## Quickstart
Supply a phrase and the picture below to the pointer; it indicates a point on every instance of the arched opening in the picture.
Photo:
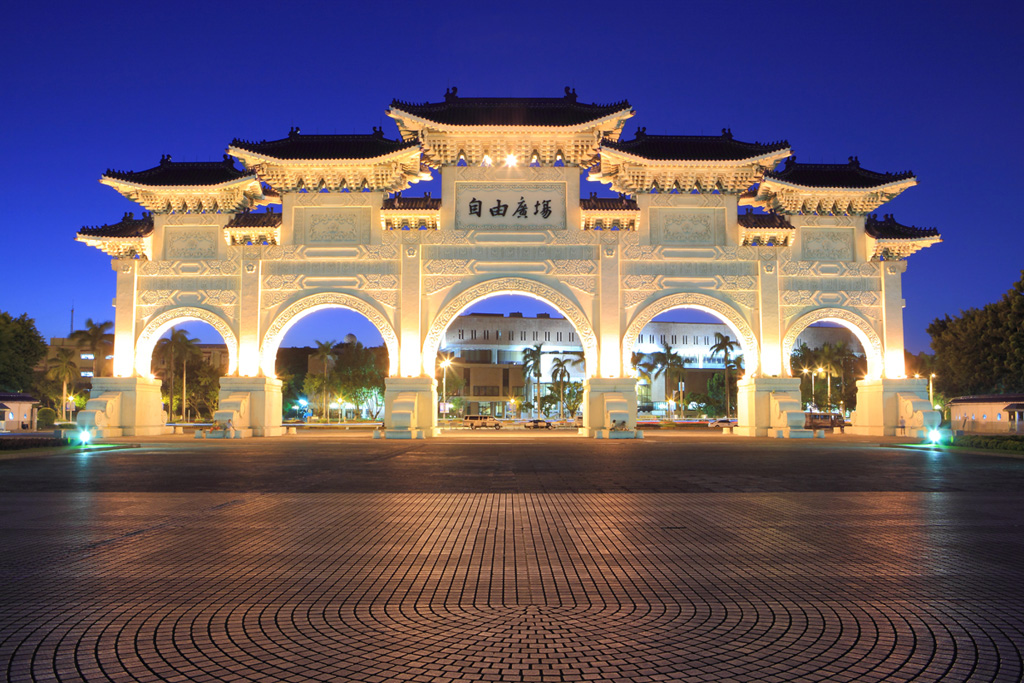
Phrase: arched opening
(332, 353)
(162, 322)
(189, 358)
(828, 343)
(687, 356)
(511, 348)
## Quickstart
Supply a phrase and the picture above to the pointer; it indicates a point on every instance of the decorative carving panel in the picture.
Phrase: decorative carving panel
(333, 226)
(191, 242)
(698, 227)
(827, 244)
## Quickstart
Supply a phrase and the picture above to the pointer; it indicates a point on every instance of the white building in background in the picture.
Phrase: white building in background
(988, 414)
(487, 354)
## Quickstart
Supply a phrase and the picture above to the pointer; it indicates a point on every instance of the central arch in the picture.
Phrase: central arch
(709, 304)
(511, 285)
(861, 328)
(163, 321)
(316, 302)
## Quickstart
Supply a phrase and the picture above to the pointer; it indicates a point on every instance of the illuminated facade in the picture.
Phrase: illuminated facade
(509, 220)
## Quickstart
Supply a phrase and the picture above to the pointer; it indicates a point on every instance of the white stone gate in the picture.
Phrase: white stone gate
(509, 220)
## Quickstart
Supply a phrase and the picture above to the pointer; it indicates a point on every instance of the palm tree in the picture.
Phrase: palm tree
(64, 369)
(325, 354)
(532, 366)
(724, 345)
(828, 360)
(560, 375)
(177, 346)
(804, 360)
(96, 339)
(669, 363)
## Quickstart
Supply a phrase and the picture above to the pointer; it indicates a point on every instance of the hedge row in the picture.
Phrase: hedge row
(15, 443)
(1008, 442)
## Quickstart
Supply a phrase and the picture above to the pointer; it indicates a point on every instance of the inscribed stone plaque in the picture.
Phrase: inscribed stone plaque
(510, 206)
(696, 227)
(334, 226)
(827, 244)
(190, 242)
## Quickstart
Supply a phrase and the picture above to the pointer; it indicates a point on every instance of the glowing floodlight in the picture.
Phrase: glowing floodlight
(510, 160)
(84, 436)
(935, 436)
(486, 161)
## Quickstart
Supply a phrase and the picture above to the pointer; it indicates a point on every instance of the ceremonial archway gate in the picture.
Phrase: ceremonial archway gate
(510, 220)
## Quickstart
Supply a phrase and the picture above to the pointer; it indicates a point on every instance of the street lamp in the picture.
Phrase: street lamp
(301, 403)
(445, 364)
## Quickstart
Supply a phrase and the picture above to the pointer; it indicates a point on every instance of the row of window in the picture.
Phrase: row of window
(662, 339)
(522, 335)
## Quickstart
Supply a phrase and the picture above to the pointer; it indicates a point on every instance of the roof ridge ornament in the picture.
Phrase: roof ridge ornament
(293, 132)
(451, 94)
(727, 134)
(165, 159)
(855, 163)
(570, 95)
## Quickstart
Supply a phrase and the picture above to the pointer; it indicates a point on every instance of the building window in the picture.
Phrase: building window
(651, 338)
(487, 391)
(558, 335)
(462, 334)
(707, 340)
(87, 373)
(673, 339)
(487, 334)
(685, 339)
(662, 339)
(547, 336)
(472, 334)
(572, 336)
(88, 356)
(535, 336)
(522, 335)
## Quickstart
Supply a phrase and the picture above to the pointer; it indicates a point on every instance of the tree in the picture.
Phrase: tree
(21, 349)
(828, 360)
(981, 351)
(573, 397)
(532, 356)
(325, 354)
(724, 346)
(95, 339)
(559, 376)
(63, 368)
(177, 347)
(670, 364)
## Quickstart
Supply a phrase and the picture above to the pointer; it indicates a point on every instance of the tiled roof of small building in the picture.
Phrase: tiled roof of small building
(620, 203)
(763, 220)
(888, 228)
(510, 111)
(985, 398)
(849, 175)
(298, 146)
(129, 226)
(255, 220)
(18, 398)
(400, 203)
(693, 147)
(182, 173)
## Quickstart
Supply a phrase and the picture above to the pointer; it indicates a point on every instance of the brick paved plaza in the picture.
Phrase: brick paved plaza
(512, 557)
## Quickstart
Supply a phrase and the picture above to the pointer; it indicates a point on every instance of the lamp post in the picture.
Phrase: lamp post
(931, 389)
(445, 364)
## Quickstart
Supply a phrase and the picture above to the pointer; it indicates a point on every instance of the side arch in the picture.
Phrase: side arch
(512, 285)
(163, 321)
(860, 327)
(309, 304)
(709, 304)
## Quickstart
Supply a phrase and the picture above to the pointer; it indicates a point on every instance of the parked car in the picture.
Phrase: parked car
(824, 421)
(723, 422)
(481, 421)
(537, 424)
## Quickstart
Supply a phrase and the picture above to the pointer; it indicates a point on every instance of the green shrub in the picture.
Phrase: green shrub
(46, 417)
(1008, 442)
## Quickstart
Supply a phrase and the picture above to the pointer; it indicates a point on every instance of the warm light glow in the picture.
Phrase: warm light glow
(510, 160)
(486, 161)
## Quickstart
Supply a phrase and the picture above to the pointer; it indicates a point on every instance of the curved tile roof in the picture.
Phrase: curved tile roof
(510, 111)
(182, 173)
(620, 203)
(693, 147)
(763, 220)
(129, 226)
(888, 228)
(848, 175)
(255, 220)
(298, 146)
(400, 203)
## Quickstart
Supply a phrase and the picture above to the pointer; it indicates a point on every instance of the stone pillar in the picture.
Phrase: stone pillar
(124, 406)
(770, 313)
(892, 319)
(249, 312)
(609, 408)
(609, 313)
(124, 318)
(410, 360)
(410, 408)
(883, 403)
(252, 403)
(760, 402)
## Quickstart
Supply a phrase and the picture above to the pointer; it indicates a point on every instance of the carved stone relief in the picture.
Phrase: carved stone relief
(827, 244)
(333, 226)
(704, 227)
(190, 242)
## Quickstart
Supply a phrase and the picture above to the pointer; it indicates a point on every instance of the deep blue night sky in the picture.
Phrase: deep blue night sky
(933, 87)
